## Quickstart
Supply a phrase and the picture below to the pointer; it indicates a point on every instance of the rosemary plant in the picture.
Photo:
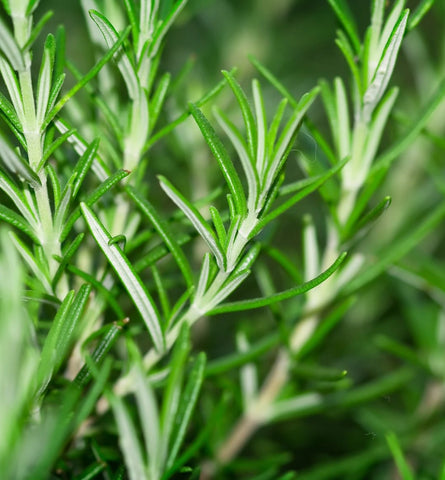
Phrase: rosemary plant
(126, 350)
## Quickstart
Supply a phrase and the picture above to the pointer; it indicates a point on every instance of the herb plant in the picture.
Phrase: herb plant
(141, 221)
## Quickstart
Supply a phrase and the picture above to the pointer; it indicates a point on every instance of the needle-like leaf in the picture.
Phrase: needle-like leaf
(223, 159)
(196, 219)
(130, 279)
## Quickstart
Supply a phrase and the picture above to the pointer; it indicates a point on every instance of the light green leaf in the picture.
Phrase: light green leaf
(343, 13)
(9, 216)
(128, 440)
(86, 78)
(375, 130)
(278, 297)
(196, 219)
(311, 187)
(83, 165)
(164, 231)
(13, 87)
(418, 14)
(397, 250)
(37, 29)
(9, 47)
(149, 417)
(15, 163)
(130, 279)
(172, 394)
(123, 61)
(241, 149)
(186, 407)
(44, 80)
(107, 340)
(279, 155)
(91, 199)
(158, 98)
(344, 127)
(32, 264)
(385, 68)
(400, 460)
(218, 224)
(223, 159)
(163, 27)
(19, 201)
(249, 120)
(8, 109)
(261, 122)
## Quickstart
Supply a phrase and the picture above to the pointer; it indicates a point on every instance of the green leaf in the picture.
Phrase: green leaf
(342, 120)
(123, 61)
(130, 8)
(223, 159)
(12, 84)
(275, 125)
(172, 395)
(400, 460)
(397, 250)
(297, 197)
(82, 166)
(29, 259)
(196, 219)
(230, 286)
(148, 413)
(128, 440)
(418, 14)
(218, 224)
(385, 159)
(49, 356)
(111, 334)
(130, 279)
(158, 98)
(55, 91)
(268, 75)
(343, 13)
(9, 216)
(92, 198)
(37, 30)
(162, 291)
(186, 406)
(44, 79)
(9, 111)
(17, 164)
(368, 219)
(54, 147)
(261, 126)
(376, 128)
(9, 47)
(62, 211)
(69, 328)
(241, 149)
(278, 297)
(164, 26)
(67, 255)
(346, 49)
(203, 278)
(385, 68)
(86, 78)
(164, 231)
(282, 147)
(19, 201)
(249, 120)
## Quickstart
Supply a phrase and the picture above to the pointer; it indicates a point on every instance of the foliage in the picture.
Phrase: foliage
(138, 225)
